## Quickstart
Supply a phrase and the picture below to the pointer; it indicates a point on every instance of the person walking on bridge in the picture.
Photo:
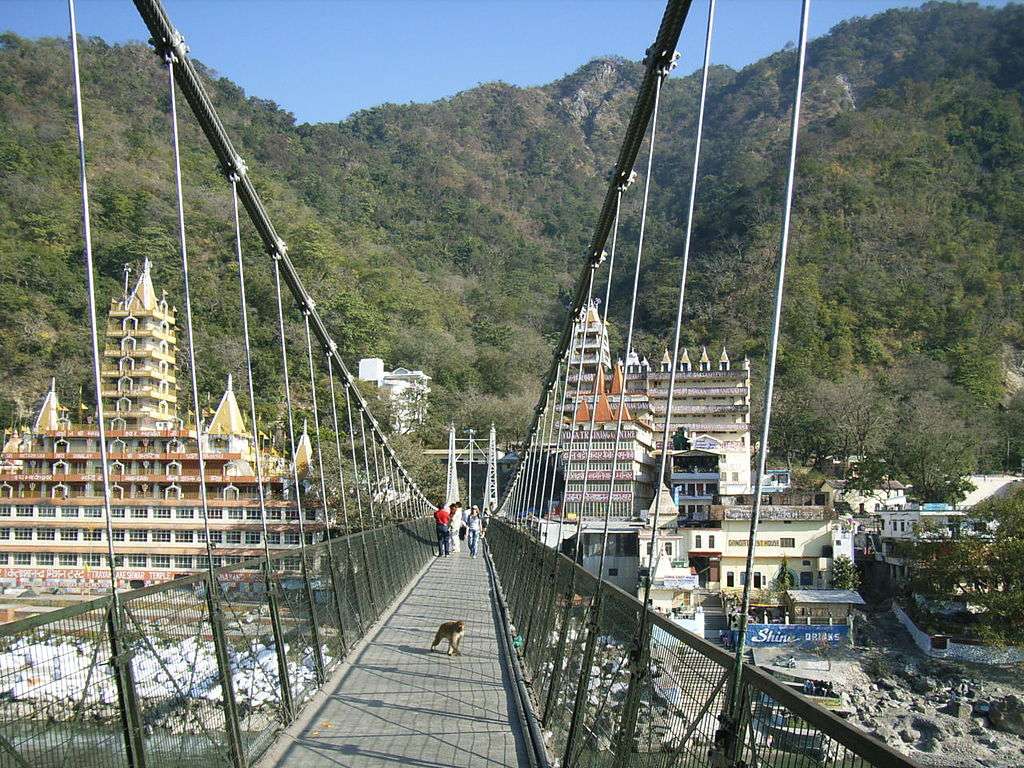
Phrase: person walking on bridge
(442, 521)
(456, 522)
(473, 526)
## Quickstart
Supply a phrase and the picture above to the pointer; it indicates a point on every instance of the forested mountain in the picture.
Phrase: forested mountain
(445, 235)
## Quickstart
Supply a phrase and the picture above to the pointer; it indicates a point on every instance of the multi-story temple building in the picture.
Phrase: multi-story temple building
(710, 421)
(52, 517)
(632, 487)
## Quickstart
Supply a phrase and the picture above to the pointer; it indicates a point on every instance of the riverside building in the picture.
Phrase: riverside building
(52, 518)
(710, 419)
(632, 487)
(798, 530)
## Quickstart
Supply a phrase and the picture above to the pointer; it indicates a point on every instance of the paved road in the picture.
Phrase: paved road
(399, 704)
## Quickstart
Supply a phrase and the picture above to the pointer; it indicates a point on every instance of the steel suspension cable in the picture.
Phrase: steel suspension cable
(594, 610)
(90, 290)
(547, 441)
(189, 336)
(666, 425)
(558, 439)
(317, 649)
(366, 471)
(780, 279)
(572, 422)
(288, 410)
(355, 463)
(316, 428)
(359, 497)
(250, 390)
(603, 338)
(531, 477)
(632, 306)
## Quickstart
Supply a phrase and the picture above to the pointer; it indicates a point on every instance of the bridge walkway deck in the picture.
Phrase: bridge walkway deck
(397, 703)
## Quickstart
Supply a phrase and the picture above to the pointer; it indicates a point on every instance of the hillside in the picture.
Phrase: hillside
(443, 235)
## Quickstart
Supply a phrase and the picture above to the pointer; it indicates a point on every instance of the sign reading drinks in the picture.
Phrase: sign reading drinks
(797, 635)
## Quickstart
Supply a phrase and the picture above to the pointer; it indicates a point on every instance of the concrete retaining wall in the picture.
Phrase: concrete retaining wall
(978, 654)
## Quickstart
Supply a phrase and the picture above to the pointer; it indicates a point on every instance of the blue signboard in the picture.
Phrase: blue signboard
(796, 635)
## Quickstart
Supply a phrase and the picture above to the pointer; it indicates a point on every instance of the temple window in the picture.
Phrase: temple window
(6, 491)
(124, 404)
(60, 467)
(127, 345)
(126, 364)
(175, 446)
(60, 446)
(129, 324)
(231, 493)
(174, 468)
(125, 384)
(172, 492)
(60, 491)
(116, 492)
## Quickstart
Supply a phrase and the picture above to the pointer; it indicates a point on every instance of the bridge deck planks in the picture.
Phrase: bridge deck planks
(396, 703)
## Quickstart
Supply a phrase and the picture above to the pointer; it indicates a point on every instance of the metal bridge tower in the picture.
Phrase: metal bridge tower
(490, 500)
(451, 492)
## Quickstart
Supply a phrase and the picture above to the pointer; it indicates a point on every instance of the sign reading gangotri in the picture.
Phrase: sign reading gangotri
(797, 635)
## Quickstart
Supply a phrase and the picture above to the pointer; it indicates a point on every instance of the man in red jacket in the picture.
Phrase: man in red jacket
(442, 520)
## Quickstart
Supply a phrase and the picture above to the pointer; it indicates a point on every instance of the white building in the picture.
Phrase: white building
(406, 389)
(921, 520)
(798, 529)
(892, 494)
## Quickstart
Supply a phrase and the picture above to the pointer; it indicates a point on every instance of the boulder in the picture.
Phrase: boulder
(1007, 714)
(960, 709)
(921, 684)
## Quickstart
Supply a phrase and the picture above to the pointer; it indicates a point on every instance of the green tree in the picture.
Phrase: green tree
(844, 573)
(983, 565)
(784, 579)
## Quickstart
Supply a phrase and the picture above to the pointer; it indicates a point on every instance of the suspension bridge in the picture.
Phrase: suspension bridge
(319, 654)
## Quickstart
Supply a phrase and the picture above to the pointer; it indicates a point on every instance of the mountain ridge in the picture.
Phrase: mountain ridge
(445, 235)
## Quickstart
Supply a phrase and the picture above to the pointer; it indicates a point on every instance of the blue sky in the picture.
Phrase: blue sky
(324, 59)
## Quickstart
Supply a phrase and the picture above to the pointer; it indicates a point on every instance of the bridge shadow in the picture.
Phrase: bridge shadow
(397, 702)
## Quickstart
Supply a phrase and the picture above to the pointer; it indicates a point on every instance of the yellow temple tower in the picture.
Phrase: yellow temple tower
(52, 516)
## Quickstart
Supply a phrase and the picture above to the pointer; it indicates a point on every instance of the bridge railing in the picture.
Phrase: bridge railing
(178, 652)
(652, 699)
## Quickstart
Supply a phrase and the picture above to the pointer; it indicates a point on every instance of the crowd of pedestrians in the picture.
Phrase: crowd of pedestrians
(454, 526)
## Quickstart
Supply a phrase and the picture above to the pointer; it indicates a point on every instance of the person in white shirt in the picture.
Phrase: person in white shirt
(473, 524)
(456, 523)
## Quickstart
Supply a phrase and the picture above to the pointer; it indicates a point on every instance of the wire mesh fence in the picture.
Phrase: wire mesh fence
(617, 686)
(200, 670)
(58, 696)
